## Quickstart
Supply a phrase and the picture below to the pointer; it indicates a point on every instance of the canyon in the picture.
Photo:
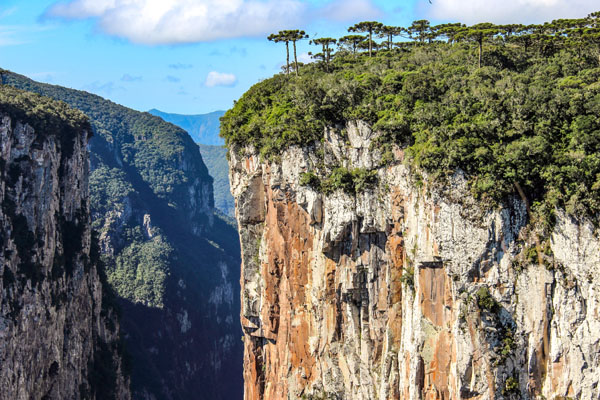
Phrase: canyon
(171, 260)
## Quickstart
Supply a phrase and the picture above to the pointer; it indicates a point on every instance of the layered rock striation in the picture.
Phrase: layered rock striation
(59, 332)
(406, 288)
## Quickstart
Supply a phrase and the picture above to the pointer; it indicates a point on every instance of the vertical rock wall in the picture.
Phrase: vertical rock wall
(406, 290)
(59, 335)
(173, 263)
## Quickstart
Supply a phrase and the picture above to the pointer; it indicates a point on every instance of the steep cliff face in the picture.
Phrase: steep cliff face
(59, 334)
(173, 263)
(406, 289)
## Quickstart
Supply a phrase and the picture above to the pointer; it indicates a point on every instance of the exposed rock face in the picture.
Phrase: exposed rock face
(406, 290)
(59, 335)
(171, 260)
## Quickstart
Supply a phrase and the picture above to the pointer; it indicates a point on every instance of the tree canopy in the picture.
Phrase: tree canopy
(325, 42)
(369, 27)
(521, 108)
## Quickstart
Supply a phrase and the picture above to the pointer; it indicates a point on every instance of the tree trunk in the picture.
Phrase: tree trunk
(325, 59)
(295, 58)
(287, 48)
(370, 42)
(480, 51)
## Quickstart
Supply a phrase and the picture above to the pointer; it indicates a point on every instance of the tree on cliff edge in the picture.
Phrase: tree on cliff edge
(388, 33)
(352, 41)
(370, 27)
(288, 36)
(325, 43)
(282, 37)
(478, 33)
(294, 36)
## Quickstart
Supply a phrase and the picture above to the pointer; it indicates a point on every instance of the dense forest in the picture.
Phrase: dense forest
(516, 108)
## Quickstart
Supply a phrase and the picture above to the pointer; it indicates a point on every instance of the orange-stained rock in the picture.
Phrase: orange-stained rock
(374, 294)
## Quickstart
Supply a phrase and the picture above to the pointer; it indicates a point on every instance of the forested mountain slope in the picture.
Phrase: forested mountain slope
(215, 158)
(172, 262)
(204, 129)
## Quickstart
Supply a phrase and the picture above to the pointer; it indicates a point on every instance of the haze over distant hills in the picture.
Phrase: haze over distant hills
(203, 128)
(215, 158)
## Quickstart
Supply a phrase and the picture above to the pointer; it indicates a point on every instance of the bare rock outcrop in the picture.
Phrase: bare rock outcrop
(407, 289)
(59, 334)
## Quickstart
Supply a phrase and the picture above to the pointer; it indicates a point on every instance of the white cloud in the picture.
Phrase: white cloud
(305, 58)
(504, 11)
(189, 21)
(183, 21)
(6, 12)
(130, 78)
(350, 10)
(215, 78)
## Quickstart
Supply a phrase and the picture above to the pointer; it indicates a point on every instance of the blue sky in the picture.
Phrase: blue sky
(197, 56)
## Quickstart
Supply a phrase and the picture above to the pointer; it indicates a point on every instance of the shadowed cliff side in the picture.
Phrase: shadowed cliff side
(173, 263)
(59, 330)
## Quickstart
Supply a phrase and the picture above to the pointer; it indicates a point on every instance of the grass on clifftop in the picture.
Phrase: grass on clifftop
(529, 117)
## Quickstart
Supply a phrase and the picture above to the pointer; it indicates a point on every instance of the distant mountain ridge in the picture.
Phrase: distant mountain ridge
(203, 128)
(215, 158)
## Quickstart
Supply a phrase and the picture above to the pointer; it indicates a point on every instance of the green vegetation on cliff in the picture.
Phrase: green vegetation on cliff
(137, 160)
(528, 117)
(149, 144)
(45, 115)
(141, 269)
